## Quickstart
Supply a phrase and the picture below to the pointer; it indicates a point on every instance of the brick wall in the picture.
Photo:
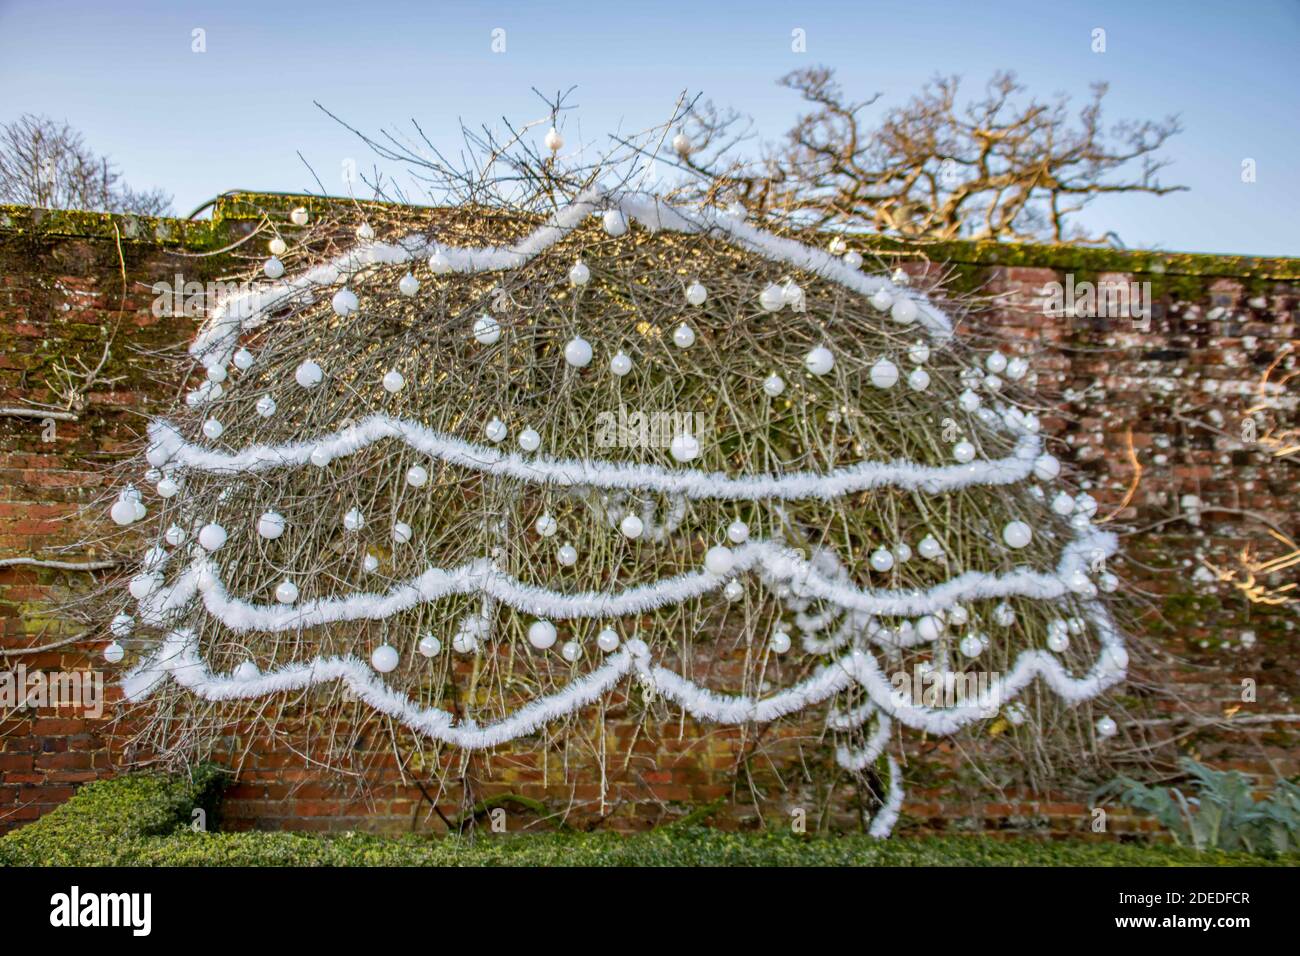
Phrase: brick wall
(1178, 390)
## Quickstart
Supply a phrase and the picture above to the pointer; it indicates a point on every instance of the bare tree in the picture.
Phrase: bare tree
(47, 164)
(1000, 166)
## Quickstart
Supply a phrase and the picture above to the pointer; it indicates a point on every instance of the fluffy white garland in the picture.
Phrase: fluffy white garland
(167, 446)
(480, 576)
(234, 314)
(887, 816)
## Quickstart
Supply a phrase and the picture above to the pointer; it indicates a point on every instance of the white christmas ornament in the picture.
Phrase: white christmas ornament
(882, 560)
(393, 381)
(167, 488)
(772, 298)
(1046, 467)
(487, 330)
(734, 591)
(273, 268)
(969, 401)
(963, 451)
(719, 560)
(247, 671)
(546, 526)
(620, 364)
(614, 223)
(429, 646)
(408, 285)
(881, 299)
(852, 259)
(266, 406)
(918, 380)
(996, 363)
(1106, 727)
(541, 634)
(345, 302)
(243, 360)
(384, 658)
(902, 552)
(464, 642)
(270, 525)
(567, 555)
(401, 532)
(919, 353)
(308, 374)
(121, 625)
(495, 430)
(216, 374)
(212, 536)
(277, 246)
(1063, 504)
(780, 642)
(683, 336)
(553, 140)
(884, 374)
(1016, 369)
(903, 311)
(682, 145)
(370, 564)
(579, 275)
(774, 385)
(928, 628)
(320, 457)
(417, 476)
(696, 294)
(631, 526)
(213, 428)
(529, 440)
(819, 361)
(114, 653)
(930, 548)
(299, 216)
(439, 264)
(738, 532)
(684, 447)
(1017, 534)
(971, 646)
(607, 640)
(1004, 615)
(286, 592)
(577, 352)
(354, 520)
(174, 535)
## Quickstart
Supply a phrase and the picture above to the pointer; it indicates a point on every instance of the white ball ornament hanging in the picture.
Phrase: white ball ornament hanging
(384, 658)
(320, 457)
(1017, 534)
(837, 246)
(546, 526)
(971, 646)
(992, 383)
(408, 285)
(529, 440)
(1108, 582)
(345, 302)
(167, 488)
(243, 360)
(487, 330)
(631, 526)
(266, 406)
(884, 374)
(1004, 615)
(696, 294)
(213, 429)
(212, 536)
(852, 259)
(247, 671)
(286, 592)
(577, 352)
(277, 246)
(902, 552)
(401, 532)
(308, 374)
(1016, 369)
(734, 591)
(719, 560)
(881, 560)
(738, 532)
(417, 476)
(579, 275)
(969, 401)
(439, 264)
(370, 564)
(684, 447)
(620, 364)
(393, 381)
(683, 336)
(541, 634)
(682, 145)
(123, 511)
(273, 268)
(175, 535)
(903, 311)
(919, 353)
(429, 646)
(1046, 467)
(930, 548)
(270, 525)
(780, 642)
(774, 385)
(122, 625)
(881, 299)
(963, 451)
(996, 363)
(929, 628)
(495, 430)
(299, 216)
(607, 640)
(1063, 504)
(216, 373)
(918, 380)
(793, 296)
(142, 585)
(354, 520)
(463, 642)
(571, 651)
(819, 361)
(114, 653)
(553, 140)
(567, 555)
(772, 298)
(614, 223)
(1106, 727)
(958, 615)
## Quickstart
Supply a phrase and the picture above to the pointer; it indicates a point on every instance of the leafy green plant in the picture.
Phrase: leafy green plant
(1220, 812)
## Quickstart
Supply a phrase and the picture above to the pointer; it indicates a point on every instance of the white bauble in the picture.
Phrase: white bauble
(277, 246)
(308, 374)
(607, 640)
(216, 373)
(487, 330)
(393, 381)
(320, 457)
(579, 274)
(286, 592)
(1016, 713)
(992, 383)
(884, 374)
(1106, 727)
(734, 591)
(1080, 583)
(384, 658)
(958, 615)
(174, 535)
(780, 642)
(620, 364)
(682, 145)
(918, 380)
(247, 671)
(1058, 642)
(1108, 582)
(963, 451)
(684, 447)
(541, 634)
(409, 285)
(738, 532)
(996, 363)
(212, 536)
(1017, 534)
(142, 585)
(882, 299)
(299, 216)
(167, 488)
(571, 651)
(464, 642)
(683, 336)
(266, 406)
(401, 532)
(243, 360)
(971, 646)
(577, 352)
(820, 360)
(417, 476)
(567, 555)
(429, 646)
(273, 268)
(1063, 504)
(546, 526)
(1046, 467)
(270, 525)
(123, 511)
(774, 385)
(354, 520)
(772, 298)
(1085, 504)
(969, 401)
(114, 653)
(882, 560)
(919, 353)
(631, 526)
(837, 246)
(929, 628)
(902, 552)
(696, 294)
(345, 302)
(614, 222)
(903, 311)
(1016, 369)
(529, 440)
(439, 264)
(213, 428)
(852, 259)
(1004, 615)
(370, 564)
(553, 140)
(793, 296)
(122, 625)
(719, 560)
(930, 548)
(495, 430)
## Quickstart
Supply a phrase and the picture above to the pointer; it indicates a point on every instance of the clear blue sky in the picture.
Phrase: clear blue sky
(236, 116)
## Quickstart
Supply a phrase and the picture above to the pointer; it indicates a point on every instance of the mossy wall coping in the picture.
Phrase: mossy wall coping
(235, 208)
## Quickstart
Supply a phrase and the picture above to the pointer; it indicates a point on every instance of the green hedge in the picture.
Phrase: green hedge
(145, 821)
